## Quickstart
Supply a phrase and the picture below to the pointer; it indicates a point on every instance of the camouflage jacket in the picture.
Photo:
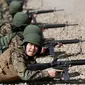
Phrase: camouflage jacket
(11, 40)
(21, 61)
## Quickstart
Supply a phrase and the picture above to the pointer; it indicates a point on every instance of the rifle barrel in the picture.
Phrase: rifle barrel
(68, 63)
(54, 25)
(55, 42)
(71, 24)
(45, 11)
(77, 62)
(57, 25)
(68, 41)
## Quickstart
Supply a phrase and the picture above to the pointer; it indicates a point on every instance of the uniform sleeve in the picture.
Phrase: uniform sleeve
(23, 72)
(16, 41)
(4, 41)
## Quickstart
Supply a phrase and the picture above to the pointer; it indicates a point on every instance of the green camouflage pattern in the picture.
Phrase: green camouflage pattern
(7, 71)
(4, 41)
(5, 29)
(20, 61)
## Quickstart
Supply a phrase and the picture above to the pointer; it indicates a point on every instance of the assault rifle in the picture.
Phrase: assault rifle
(64, 65)
(43, 26)
(32, 13)
(51, 43)
(49, 26)
(47, 81)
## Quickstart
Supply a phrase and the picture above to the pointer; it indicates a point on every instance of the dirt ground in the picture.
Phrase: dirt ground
(74, 13)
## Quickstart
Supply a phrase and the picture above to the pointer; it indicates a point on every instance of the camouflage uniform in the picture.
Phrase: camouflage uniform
(20, 61)
(18, 23)
(6, 17)
(15, 39)
(5, 27)
(14, 66)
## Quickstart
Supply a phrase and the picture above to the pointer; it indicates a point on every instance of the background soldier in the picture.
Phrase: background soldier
(21, 57)
(15, 6)
(6, 15)
(15, 39)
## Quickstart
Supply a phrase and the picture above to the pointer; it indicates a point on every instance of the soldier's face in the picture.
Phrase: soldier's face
(31, 49)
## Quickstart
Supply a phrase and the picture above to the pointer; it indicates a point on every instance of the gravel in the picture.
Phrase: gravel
(74, 13)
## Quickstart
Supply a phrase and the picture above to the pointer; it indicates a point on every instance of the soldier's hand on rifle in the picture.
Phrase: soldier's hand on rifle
(53, 72)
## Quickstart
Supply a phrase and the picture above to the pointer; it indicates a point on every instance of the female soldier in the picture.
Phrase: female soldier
(18, 59)
(32, 45)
